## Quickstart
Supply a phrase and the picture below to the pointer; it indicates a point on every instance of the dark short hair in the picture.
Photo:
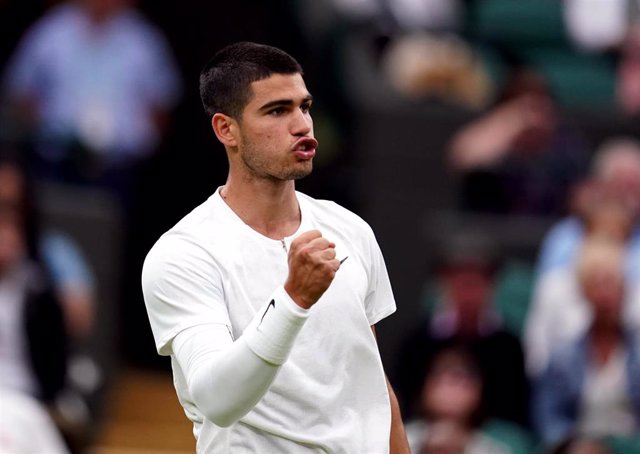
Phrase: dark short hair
(226, 79)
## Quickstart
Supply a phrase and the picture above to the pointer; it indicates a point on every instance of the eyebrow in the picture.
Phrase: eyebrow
(284, 102)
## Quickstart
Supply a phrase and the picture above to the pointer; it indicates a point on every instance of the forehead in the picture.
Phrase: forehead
(278, 87)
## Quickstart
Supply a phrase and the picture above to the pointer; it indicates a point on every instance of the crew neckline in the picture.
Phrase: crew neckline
(280, 242)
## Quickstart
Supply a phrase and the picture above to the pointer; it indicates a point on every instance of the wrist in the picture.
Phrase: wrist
(272, 332)
(296, 298)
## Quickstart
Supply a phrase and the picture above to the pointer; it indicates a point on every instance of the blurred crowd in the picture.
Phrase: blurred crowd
(496, 363)
(87, 94)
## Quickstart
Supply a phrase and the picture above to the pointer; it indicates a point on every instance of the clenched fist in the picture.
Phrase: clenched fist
(312, 267)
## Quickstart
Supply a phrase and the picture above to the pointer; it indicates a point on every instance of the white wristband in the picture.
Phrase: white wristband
(272, 332)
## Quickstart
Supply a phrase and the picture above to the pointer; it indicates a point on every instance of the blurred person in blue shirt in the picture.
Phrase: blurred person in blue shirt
(94, 82)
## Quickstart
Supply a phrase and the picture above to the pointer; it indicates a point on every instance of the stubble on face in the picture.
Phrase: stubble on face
(260, 165)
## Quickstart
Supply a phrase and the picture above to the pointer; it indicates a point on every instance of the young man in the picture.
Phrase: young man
(265, 298)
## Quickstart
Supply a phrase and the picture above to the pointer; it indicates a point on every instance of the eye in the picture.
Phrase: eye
(306, 107)
(277, 111)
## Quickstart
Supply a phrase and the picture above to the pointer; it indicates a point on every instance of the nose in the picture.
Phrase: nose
(302, 123)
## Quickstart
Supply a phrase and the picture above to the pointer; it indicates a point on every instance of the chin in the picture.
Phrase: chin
(299, 173)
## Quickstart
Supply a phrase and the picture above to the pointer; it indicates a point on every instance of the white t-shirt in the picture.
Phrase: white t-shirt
(331, 394)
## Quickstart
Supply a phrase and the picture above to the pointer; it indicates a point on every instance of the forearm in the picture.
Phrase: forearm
(226, 379)
(226, 384)
(398, 443)
(483, 143)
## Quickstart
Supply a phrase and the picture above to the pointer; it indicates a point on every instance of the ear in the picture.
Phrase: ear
(225, 128)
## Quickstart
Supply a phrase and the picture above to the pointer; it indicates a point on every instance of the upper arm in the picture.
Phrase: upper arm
(197, 345)
(182, 287)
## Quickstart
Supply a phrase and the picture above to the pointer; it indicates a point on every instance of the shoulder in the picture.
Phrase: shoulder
(558, 283)
(58, 17)
(570, 226)
(561, 238)
(194, 238)
(57, 23)
(482, 443)
(560, 243)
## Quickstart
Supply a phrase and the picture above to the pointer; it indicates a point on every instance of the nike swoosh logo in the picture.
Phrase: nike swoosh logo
(271, 303)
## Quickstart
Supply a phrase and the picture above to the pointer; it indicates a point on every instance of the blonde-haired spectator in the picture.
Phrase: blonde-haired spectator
(590, 386)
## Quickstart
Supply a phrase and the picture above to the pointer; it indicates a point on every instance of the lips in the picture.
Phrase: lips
(305, 148)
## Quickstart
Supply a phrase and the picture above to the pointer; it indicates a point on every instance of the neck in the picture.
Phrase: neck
(270, 208)
(605, 337)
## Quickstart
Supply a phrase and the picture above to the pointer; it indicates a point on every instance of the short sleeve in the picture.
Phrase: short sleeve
(182, 287)
(379, 302)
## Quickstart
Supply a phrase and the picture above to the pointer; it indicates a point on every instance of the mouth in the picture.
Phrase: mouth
(305, 148)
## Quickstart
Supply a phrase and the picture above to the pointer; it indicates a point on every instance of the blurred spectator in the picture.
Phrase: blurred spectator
(91, 88)
(59, 286)
(33, 337)
(71, 275)
(26, 427)
(419, 49)
(607, 205)
(590, 386)
(33, 344)
(615, 174)
(559, 311)
(94, 82)
(452, 418)
(465, 316)
(519, 157)
(427, 56)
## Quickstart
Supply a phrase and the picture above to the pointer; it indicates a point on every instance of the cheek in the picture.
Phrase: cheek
(265, 138)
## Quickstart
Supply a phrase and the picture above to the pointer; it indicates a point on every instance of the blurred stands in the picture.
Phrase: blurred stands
(93, 219)
(403, 186)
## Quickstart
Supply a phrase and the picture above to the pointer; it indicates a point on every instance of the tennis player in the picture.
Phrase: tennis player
(266, 299)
